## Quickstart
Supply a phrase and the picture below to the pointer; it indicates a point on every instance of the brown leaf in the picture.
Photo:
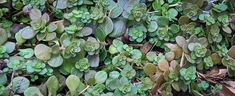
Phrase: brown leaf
(230, 83)
(227, 30)
(216, 58)
(231, 52)
(150, 69)
(217, 73)
(170, 56)
(147, 46)
(158, 78)
(175, 48)
(163, 65)
(227, 91)
(180, 40)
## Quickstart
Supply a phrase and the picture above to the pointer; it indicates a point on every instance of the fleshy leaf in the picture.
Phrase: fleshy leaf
(42, 52)
(101, 76)
(20, 84)
(52, 85)
(72, 83)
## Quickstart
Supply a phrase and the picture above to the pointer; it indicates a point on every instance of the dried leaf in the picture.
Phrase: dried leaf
(231, 52)
(150, 69)
(163, 65)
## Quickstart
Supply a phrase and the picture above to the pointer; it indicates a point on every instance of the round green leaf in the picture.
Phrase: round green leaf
(35, 14)
(27, 33)
(101, 76)
(52, 85)
(10, 47)
(119, 28)
(51, 27)
(42, 52)
(152, 26)
(72, 83)
(32, 91)
(116, 11)
(106, 26)
(172, 13)
(20, 84)
(3, 36)
(150, 69)
(56, 61)
(60, 4)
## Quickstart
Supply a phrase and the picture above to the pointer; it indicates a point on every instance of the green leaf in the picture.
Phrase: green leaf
(32, 91)
(114, 74)
(172, 13)
(20, 84)
(101, 76)
(3, 78)
(150, 69)
(27, 33)
(60, 4)
(100, 34)
(51, 27)
(35, 14)
(26, 53)
(116, 11)
(162, 21)
(52, 85)
(10, 47)
(106, 26)
(152, 26)
(3, 36)
(72, 83)
(119, 28)
(86, 31)
(56, 61)
(93, 60)
(42, 52)
(49, 36)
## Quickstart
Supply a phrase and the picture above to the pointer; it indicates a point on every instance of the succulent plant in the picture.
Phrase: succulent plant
(82, 16)
(208, 62)
(137, 33)
(188, 74)
(117, 47)
(72, 49)
(82, 64)
(197, 50)
(2, 51)
(91, 45)
(214, 35)
(137, 11)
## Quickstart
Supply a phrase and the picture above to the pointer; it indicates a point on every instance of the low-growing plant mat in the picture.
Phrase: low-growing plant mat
(117, 47)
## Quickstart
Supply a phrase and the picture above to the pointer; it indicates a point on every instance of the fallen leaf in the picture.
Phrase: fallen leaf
(217, 73)
(147, 46)
(163, 65)
(230, 83)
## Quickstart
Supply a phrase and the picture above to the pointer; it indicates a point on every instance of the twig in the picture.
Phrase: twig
(182, 60)
(119, 68)
(136, 45)
(84, 90)
(19, 13)
(10, 8)
(176, 4)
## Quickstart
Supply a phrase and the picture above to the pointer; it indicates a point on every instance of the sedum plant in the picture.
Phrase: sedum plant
(137, 33)
(117, 47)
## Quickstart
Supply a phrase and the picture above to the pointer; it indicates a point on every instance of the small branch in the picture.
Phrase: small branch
(136, 45)
(18, 14)
(84, 90)
(119, 68)
(176, 4)
(10, 8)
(182, 60)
